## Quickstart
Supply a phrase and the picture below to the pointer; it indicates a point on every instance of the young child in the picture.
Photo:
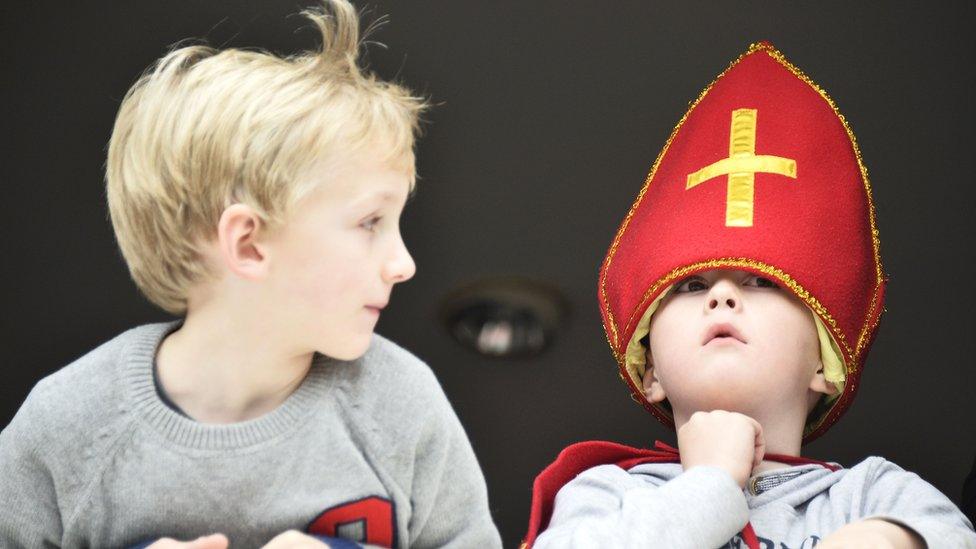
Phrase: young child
(740, 297)
(258, 198)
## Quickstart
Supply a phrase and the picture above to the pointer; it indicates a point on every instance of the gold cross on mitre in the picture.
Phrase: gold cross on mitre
(741, 166)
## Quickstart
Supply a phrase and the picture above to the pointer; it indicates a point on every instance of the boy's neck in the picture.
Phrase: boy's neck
(219, 368)
(783, 436)
(767, 466)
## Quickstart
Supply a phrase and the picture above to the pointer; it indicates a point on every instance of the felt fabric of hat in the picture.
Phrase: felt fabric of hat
(762, 174)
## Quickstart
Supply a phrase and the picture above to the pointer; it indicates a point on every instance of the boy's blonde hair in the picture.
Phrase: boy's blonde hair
(203, 129)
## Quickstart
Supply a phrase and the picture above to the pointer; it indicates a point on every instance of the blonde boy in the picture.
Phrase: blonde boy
(258, 198)
(740, 297)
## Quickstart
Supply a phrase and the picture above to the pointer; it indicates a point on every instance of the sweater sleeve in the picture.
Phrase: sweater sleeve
(30, 515)
(969, 495)
(902, 497)
(606, 506)
(449, 496)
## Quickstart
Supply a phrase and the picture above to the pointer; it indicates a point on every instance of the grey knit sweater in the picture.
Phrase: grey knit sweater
(368, 449)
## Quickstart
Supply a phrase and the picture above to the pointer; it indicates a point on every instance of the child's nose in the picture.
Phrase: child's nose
(401, 266)
(723, 294)
(729, 302)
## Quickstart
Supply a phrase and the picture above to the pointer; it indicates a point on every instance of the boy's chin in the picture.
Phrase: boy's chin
(351, 349)
(728, 398)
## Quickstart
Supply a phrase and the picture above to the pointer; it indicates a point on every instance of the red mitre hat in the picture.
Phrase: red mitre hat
(762, 174)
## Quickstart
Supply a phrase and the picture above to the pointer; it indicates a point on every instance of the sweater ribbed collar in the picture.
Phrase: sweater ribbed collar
(137, 360)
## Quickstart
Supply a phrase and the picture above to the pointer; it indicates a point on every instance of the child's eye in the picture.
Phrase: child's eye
(761, 282)
(370, 224)
(691, 284)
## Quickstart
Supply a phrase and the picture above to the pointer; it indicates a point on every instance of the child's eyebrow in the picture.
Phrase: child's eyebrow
(387, 196)
(383, 197)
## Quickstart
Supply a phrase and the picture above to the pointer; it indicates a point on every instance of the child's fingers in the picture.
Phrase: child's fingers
(213, 541)
(759, 442)
(760, 448)
(293, 539)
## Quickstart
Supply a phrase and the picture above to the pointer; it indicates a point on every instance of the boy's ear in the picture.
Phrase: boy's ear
(819, 383)
(238, 244)
(653, 390)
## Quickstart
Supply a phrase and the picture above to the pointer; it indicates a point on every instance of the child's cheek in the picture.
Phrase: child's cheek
(317, 282)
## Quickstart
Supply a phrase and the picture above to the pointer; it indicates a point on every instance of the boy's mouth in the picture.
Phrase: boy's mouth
(723, 331)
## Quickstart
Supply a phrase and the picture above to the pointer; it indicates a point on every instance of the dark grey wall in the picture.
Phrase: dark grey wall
(551, 115)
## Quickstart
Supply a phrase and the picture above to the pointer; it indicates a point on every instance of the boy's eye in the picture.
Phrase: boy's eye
(370, 224)
(761, 282)
(691, 284)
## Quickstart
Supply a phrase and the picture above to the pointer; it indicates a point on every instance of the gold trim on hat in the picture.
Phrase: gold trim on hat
(828, 333)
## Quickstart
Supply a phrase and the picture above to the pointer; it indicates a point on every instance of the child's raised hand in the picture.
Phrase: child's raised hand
(213, 541)
(294, 539)
(730, 441)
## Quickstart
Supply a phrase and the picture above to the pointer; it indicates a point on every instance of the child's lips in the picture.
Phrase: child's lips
(723, 333)
(724, 341)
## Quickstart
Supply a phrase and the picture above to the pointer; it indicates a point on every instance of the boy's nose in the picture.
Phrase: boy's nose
(721, 295)
(400, 267)
(729, 302)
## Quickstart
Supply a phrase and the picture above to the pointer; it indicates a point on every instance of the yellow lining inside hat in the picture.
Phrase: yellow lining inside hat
(830, 355)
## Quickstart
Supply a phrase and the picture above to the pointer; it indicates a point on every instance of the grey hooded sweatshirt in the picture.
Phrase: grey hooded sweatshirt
(661, 505)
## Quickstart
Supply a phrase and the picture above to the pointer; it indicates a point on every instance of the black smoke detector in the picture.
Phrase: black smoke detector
(505, 317)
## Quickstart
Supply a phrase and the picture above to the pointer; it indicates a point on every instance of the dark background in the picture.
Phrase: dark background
(550, 114)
